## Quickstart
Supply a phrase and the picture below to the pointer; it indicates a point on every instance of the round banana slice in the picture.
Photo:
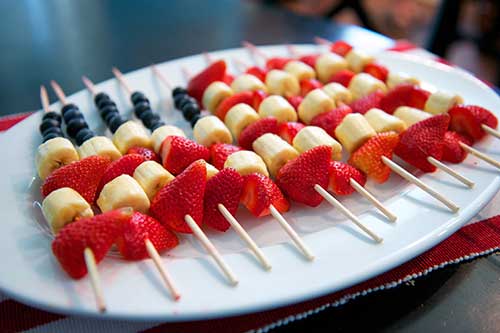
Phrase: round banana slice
(131, 134)
(246, 162)
(238, 117)
(300, 70)
(209, 130)
(99, 146)
(123, 191)
(247, 82)
(279, 82)
(274, 151)
(278, 107)
(410, 115)
(315, 103)
(151, 176)
(353, 131)
(396, 78)
(383, 122)
(329, 64)
(215, 93)
(441, 101)
(53, 154)
(162, 132)
(357, 60)
(363, 84)
(313, 136)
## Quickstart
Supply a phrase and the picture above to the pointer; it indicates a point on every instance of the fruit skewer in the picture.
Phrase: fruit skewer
(275, 212)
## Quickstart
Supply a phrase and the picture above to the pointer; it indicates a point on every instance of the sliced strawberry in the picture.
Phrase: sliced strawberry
(343, 77)
(423, 139)
(295, 101)
(260, 192)
(309, 59)
(219, 153)
(364, 104)
(340, 47)
(467, 120)
(148, 154)
(309, 84)
(288, 130)
(340, 175)
(298, 177)
(452, 152)
(404, 95)
(368, 157)
(242, 97)
(228, 79)
(97, 233)
(258, 72)
(197, 84)
(277, 62)
(377, 70)
(125, 165)
(82, 176)
(258, 97)
(179, 152)
(331, 119)
(224, 188)
(253, 131)
(182, 196)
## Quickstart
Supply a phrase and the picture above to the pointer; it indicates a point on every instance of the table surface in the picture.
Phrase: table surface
(61, 40)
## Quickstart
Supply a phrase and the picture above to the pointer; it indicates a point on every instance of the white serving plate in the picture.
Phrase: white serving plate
(344, 256)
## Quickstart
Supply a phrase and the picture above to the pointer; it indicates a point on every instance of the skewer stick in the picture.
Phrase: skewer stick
(242, 66)
(245, 236)
(441, 166)
(491, 131)
(480, 155)
(153, 254)
(59, 92)
(292, 50)
(293, 235)
(210, 248)
(321, 41)
(412, 179)
(346, 212)
(370, 197)
(94, 279)
(44, 97)
(254, 49)
(121, 79)
(161, 77)
(90, 85)
(208, 58)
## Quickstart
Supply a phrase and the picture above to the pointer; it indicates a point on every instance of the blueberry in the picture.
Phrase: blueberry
(50, 136)
(48, 123)
(178, 99)
(186, 101)
(56, 130)
(100, 97)
(105, 103)
(52, 115)
(83, 135)
(195, 118)
(138, 97)
(140, 108)
(179, 91)
(75, 125)
(189, 110)
(116, 122)
(146, 114)
(157, 124)
(68, 107)
(151, 120)
(110, 115)
(72, 114)
(110, 108)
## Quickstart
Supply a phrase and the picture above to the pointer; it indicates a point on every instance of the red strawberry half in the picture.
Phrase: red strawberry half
(340, 175)
(308, 85)
(258, 97)
(182, 196)
(219, 153)
(309, 59)
(260, 192)
(364, 104)
(343, 77)
(467, 120)
(277, 62)
(258, 72)
(376, 70)
(147, 153)
(287, 131)
(298, 177)
(331, 119)
(452, 152)
(404, 95)
(423, 139)
(125, 165)
(82, 176)
(97, 233)
(226, 105)
(136, 230)
(179, 152)
(197, 85)
(340, 47)
(295, 101)
(253, 131)
(224, 188)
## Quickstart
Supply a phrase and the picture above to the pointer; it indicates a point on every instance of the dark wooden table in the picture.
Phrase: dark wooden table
(61, 39)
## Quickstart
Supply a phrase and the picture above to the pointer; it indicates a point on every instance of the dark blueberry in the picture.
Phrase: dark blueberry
(75, 125)
(195, 118)
(56, 130)
(140, 108)
(110, 115)
(68, 107)
(104, 111)
(179, 91)
(49, 136)
(48, 123)
(100, 97)
(138, 97)
(105, 103)
(83, 135)
(116, 122)
(146, 114)
(151, 120)
(157, 124)
(189, 110)
(52, 115)
(187, 101)
(178, 99)
(72, 114)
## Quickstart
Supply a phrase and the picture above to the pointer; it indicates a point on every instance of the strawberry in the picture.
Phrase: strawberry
(258, 97)
(179, 152)
(260, 192)
(404, 95)
(137, 230)
(423, 139)
(219, 153)
(376, 70)
(242, 97)
(452, 152)
(125, 165)
(253, 131)
(198, 83)
(368, 157)
(258, 72)
(340, 47)
(467, 120)
(288, 130)
(224, 188)
(82, 176)
(309, 59)
(298, 177)
(180, 197)
(277, 62)
(295, 101)
(228, 79)
(343, 77)
(309, 84)
(331, 119)
(340, 174)
(147, 153)
(364, 104)
(97, 233)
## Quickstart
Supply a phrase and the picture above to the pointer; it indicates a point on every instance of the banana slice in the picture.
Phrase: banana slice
(300, 70)
(246, 162)
(313, 136)
(53, 154)
(131, 134)
(279, 82)
(99, 146)
(64, 206)
(441, 101)
(162, 132)
(353, 131)
(211, 170)
(315, 103)
(214, 94)
(209, 130)
(123, 191)
(247, 82)
(410, 115)
(363, 84)
(329, 64)
(357, 60)
(151, 176)
(274, 151)
(238, 117)
(396, 78)
(278, 107)
(383, 122)
(338, 93)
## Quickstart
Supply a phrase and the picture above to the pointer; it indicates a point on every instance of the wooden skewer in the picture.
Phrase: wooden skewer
(254, 49)
(210, 248)
(480, 155)
(491, 131)
(441, 166)
(59, 92)
(370, 197)
(153, 254)
(321, 41)
(44, 97)
(94, 279)
(292, 50)
(240, 64)
(121, 79)
(208, 58)
(412, 179)
(162, 77)
(346, 212)
(90, 85)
